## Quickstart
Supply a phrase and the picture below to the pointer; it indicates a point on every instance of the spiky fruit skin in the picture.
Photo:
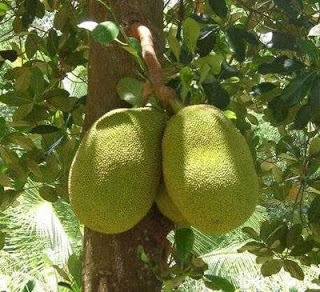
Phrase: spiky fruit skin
(168, 208)
(116, 171)
(208, 170)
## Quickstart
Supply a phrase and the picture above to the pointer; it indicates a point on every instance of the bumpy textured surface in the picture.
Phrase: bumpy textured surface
(208, 170)
(115, 174)
(168, 208)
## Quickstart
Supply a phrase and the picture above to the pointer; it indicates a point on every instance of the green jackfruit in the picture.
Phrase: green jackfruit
(208, 170)
(116, 171)
(168, 208)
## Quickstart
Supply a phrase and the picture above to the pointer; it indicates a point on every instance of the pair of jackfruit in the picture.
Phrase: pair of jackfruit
(210, 180)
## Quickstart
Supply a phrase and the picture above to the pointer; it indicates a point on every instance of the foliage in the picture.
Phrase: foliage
(257, 60)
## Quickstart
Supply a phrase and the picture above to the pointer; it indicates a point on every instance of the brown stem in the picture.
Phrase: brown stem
(156, 74)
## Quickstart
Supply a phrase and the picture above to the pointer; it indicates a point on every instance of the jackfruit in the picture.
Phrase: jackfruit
(208, 170)
(116, 171)
(168, 208)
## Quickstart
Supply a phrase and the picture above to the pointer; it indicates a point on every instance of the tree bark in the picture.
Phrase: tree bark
(110, 261)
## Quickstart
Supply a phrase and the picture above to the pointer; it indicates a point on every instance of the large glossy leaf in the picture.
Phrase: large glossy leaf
(105, 32)
(44, 129)
(219, 7)
(184, 240)
(281, 64)
(314, 211)
(206, 41)
(237, 43)
(297, 89)
(303, 117)
(130, 90)
(191, 32)
(216, 94)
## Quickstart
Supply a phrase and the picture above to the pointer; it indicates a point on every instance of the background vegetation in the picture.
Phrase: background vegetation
(256, 60)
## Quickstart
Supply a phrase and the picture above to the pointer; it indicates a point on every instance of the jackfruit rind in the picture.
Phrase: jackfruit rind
(168, 208)
(116, 171)
(208, 170)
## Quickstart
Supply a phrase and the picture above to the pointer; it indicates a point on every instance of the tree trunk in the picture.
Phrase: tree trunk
(110, 261)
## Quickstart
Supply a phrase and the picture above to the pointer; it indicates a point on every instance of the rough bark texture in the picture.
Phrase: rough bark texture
(110, 261)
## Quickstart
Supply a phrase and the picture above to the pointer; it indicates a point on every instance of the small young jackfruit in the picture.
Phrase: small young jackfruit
(208, 170)
(168, 208)
(116, 171)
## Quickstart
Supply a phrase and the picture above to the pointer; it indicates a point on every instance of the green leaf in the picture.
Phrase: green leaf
(294, 269)
(184, 240)
(2, 240)
(271, 267)
(13, 99)
(75, 268)
(23, 78)
(219, 7)
(142, 255)
(3, 9)
(5, 180)
(280, 234)
(55, 92)
(7, 198)
(174, 45)
(279, 40)
(251, 232)
(62, 103)
(38, 83)
(44, 129)
(134, 48)
(61, 19)
(213, 60)
(310, 49)
(297, 89)
(191, 32)
(314, 98)
(130, 90)
(48, 193)
(218, 283)
(281, 64)
(186, 76)
(314, 148)
(216, 94)
(237, 43)
(292, 9)
(22, 141)
(65, 285)
(302, 247)
(314, 211)
(10, 55)
(302, 117)
(52, 42)
(105, 32)
(29, 287)
(263, 87)
(252, 246)
(293, 234)
(22, 111)
(32, 44)
(206, 41)
(30, 11)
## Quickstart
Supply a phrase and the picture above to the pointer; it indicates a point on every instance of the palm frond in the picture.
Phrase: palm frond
(36, 239)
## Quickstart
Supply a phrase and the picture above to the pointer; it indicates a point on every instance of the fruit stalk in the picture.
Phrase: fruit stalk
(156, 74)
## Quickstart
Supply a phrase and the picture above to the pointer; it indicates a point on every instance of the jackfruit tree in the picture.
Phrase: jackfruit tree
(159, 124)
